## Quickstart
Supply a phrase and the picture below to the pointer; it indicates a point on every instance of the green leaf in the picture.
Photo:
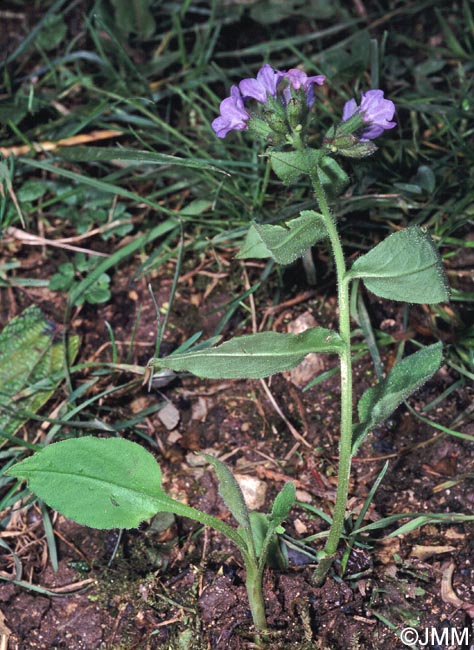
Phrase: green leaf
(406, 266)
(276, 555)
(253, 246)
(283, 503)
(332, 177)
(289, 165)
(287, 244)
(230, 491)
(135, 17)
(98, 482)
(32, 365)
(132, 156)
(253, 356)
(406, 376)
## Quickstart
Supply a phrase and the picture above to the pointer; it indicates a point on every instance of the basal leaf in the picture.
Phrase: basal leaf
(283, 503)
(32, 365)
(98, 482)
(406, 376)
(230, 491)
(287, 243)
(253, 356)
(406, 266)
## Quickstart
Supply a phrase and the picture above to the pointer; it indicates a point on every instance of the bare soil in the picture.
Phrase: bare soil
(172, 584)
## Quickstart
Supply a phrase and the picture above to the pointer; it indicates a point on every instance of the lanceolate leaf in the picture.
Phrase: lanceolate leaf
(287, 244)
(253, 356)
(32, 364)
(230, 491)
(283, 503)
(406, 266)
(406, 376)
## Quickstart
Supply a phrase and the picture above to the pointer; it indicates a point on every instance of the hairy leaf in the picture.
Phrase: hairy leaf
(230, 491)
(253, 356)
(283, 503)
(253, 246)
(406, 376)
(98, 482)
(287, 244)
(406, 266)
(290, 165)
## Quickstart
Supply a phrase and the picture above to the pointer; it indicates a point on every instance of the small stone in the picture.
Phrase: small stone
(173, 437)
(169, 416)
(300, 527)
(253, 489)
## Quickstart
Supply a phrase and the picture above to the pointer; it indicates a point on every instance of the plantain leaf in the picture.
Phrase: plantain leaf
(32, 365)
(406, 376)
(98, 482)
(253, 356)
(406, 266)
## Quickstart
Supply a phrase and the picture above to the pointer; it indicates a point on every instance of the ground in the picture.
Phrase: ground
(172, 584)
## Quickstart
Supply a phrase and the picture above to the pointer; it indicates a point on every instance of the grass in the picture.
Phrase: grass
(140, 177)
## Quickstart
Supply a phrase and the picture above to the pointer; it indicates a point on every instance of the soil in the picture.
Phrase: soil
(174, 585)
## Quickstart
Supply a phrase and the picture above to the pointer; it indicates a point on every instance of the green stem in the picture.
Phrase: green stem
(253, 582)
(345, 444)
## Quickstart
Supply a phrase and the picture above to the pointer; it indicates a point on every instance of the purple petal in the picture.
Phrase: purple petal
(254, 89)
(350, 108)
(232, 114)
(376, 111)
(269, 78)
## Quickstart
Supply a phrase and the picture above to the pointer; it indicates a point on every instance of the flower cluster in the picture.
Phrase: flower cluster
(233, 114)
(286, 97)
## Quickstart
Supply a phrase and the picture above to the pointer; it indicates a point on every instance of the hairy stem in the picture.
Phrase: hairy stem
(345, 444)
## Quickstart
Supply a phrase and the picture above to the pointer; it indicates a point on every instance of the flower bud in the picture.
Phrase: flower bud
(296, 111)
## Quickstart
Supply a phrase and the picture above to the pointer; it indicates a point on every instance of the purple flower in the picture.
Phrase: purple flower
(376, 112)
(233, 114)
(265, 84)
(299, 79)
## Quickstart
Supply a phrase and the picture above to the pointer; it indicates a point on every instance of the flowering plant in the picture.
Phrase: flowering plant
(112, 482)
(276, 106)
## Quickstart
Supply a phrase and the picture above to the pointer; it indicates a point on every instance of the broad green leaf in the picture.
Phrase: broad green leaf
(283, 503)
(253, 246)
(406, 266)
(287, 243)
(289, 165)
(253, 356)
(98, 482)
(230, 491)
(406, 376)
(32, 365)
